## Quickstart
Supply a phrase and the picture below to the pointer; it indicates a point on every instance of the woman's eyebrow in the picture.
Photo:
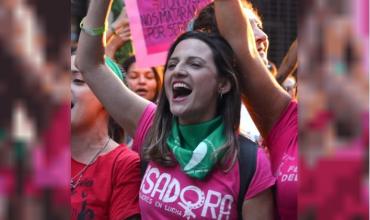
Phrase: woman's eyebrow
(173, 59)
(76, 73)
(196, 58)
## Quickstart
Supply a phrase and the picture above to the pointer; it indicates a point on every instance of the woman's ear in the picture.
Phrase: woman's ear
(224, 86)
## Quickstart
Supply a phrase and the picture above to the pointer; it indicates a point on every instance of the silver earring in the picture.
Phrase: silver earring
(221, 94)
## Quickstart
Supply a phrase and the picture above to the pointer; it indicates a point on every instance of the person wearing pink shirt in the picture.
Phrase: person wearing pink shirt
(271, 108)
(191, 138)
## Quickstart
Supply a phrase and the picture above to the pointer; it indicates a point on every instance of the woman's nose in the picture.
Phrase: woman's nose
(261, 36)
(180, 70)
(142, 80)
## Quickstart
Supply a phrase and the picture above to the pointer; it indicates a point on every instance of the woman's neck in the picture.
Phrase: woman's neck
(86, 141)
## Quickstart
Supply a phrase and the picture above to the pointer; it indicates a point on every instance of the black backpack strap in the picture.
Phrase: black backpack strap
(247, 167)
(143, 162)
(143, 166)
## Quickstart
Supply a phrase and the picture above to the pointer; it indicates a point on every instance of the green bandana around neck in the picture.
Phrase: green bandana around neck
(193, 145)
(114, 67)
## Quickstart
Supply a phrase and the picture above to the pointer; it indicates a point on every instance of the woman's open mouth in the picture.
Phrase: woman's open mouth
(141, 92)
(180, 90)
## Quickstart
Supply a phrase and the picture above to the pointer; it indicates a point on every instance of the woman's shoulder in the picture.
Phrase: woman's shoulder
(120, 156)
(125, 163)
(286, 127)
(123, 154)
(143, 127)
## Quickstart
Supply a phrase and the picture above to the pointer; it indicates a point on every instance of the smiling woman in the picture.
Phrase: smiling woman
(192, 83)
(197, 89)
(191, 139)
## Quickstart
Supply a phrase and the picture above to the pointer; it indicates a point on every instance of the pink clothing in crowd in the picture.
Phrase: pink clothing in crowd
(168, 193)
(282, 142)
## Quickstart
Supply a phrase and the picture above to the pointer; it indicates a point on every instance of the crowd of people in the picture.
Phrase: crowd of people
(210, 134)
(183, 121)
(334, 115)
(34, 115)
(214, 130)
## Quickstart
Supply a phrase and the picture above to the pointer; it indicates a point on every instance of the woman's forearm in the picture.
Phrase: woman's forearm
(90, 52)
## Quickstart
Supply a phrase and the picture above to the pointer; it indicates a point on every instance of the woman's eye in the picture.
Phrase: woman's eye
(171, 66)
(196, 65)
(149, 76)
(260, 26)
(78, 81)
(132, 76)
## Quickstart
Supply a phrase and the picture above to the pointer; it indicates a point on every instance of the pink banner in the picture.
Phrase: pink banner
(155, 24)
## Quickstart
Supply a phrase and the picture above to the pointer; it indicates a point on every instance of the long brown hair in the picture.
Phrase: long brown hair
(155, 146)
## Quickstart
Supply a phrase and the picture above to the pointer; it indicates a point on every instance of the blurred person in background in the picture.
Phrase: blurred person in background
(334, 106)
(105, 175)
(36, 81)
(146, 82)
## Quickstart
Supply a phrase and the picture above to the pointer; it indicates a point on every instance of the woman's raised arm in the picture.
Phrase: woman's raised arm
(122, 104)
(262, 95)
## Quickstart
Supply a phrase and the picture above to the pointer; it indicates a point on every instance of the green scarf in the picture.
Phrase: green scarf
(114, 67)
(193, 146)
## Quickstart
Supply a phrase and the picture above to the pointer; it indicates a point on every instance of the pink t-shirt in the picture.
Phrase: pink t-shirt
(168, 193)
(282, 142)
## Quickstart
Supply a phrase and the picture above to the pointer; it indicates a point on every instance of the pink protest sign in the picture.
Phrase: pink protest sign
(155, 24)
